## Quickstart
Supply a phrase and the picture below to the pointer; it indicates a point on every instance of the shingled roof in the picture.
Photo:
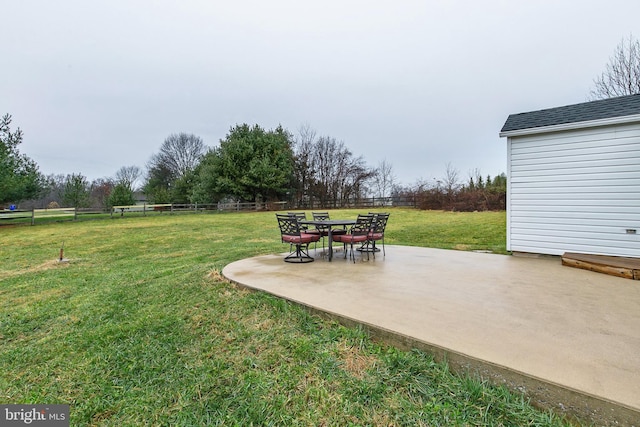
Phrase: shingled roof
(584, 112)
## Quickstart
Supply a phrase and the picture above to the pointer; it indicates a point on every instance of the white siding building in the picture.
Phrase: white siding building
(574, 179)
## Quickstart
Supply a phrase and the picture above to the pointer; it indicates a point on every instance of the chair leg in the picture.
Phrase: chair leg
(345, 249)
(299, 255)
(353, 254)
(369, 246)
(374, 249)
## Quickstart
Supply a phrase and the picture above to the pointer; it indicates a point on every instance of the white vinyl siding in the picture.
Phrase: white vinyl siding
(575, 191)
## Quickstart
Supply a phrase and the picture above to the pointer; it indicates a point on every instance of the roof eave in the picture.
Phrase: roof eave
(572, 126)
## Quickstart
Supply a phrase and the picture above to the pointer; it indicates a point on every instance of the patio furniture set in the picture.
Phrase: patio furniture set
(299, 232)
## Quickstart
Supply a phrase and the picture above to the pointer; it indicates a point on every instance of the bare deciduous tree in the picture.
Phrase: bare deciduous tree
(325, 157)
(179, 154)
(128, 176)
(100, 191)
(340, 176)
(451, 180)
(178, 158)
(384, 179)
(326, 172)
(303, 168)
(622, 73)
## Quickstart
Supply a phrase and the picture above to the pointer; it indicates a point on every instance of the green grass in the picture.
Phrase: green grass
(138, 328)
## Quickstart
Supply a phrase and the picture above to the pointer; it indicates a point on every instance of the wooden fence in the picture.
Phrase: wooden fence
(32, 215)
(355, 203)
(74, 214)
(198, 207)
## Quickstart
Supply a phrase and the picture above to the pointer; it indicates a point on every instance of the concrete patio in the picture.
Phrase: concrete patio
(569, 339)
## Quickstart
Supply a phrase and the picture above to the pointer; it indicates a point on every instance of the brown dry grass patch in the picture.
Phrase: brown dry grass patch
(216, 276)
(354, 360)
(48, 265)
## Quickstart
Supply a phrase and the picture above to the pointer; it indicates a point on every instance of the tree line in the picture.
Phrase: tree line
(452, 193)
(251, 164)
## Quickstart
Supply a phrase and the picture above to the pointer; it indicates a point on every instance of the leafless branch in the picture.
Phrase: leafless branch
(622, 73)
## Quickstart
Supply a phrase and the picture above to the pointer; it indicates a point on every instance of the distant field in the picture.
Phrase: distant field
(138, 328)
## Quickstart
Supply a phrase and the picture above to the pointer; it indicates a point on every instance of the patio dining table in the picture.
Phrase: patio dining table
(329, 224)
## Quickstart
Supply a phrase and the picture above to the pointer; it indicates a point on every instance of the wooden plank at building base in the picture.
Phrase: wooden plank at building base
(628, 268)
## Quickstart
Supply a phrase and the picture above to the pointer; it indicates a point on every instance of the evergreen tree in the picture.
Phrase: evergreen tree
(19, 175)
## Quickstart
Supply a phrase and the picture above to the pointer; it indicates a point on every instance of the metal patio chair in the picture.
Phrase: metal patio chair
(323, 230)
(378, 226)
(300, 216)
(358, 233)
(291, 233)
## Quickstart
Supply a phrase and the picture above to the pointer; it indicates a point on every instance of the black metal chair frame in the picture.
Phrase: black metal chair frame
(300, 216)
(378, 226)
(291, 233)
(361, 228)
(322, 231)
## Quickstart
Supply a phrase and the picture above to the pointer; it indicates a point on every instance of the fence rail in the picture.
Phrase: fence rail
(39, 213)
(361, 202)
(76, 214)
(198, 207)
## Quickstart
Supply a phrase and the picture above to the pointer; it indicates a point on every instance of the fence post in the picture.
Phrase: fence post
(75, 213)
(144, 209)
(33, 216)
(171, 209)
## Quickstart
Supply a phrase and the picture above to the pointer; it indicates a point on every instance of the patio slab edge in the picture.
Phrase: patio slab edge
(574, 405)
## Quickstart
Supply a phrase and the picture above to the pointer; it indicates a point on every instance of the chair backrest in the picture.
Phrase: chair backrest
(300, 215)
(362, 225)
(379, 222)
(320, 216)
(288, 225)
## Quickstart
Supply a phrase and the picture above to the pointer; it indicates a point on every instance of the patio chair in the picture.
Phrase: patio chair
(358, 233)
(378, 225)
(291, 233)
(324, 216)
(300, 216)
(320, 216)
(323, 230)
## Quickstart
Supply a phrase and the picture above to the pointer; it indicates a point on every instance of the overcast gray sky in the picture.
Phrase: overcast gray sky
(97, 85)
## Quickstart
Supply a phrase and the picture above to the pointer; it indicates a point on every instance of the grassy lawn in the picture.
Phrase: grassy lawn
(138, 328)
